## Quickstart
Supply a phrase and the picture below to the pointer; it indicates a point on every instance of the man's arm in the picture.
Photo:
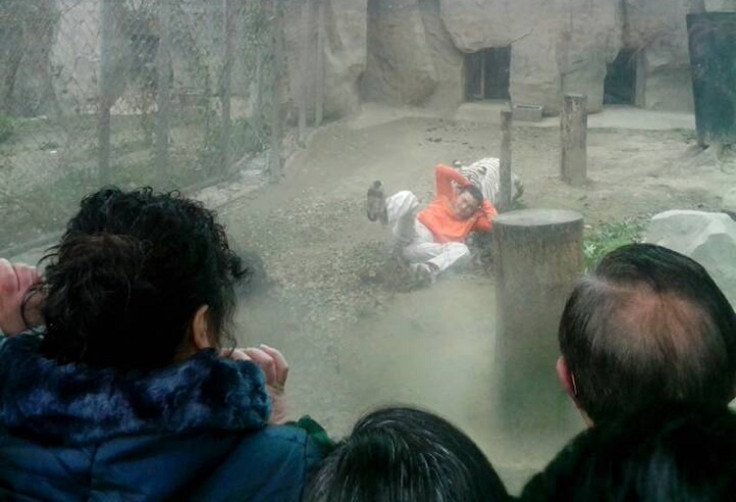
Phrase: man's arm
(444, 176)
(483, 220)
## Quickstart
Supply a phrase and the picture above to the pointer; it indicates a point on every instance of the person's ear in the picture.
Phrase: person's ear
(200, 337)
(567, 380)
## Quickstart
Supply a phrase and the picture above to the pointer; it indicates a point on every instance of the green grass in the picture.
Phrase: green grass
(606, 237)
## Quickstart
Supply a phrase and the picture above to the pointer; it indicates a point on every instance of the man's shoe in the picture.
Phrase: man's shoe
(422, 274)
(376, 203)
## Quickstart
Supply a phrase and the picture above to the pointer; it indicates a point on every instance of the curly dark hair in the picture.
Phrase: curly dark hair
(474, 191)
(129, 274)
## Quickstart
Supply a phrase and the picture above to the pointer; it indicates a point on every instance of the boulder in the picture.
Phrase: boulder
(400, 69)
(708, 238)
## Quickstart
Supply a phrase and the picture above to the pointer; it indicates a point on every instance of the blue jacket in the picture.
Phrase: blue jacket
(193, 431)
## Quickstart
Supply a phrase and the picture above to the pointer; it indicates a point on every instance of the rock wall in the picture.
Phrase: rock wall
(400, 69)
(344, 24)
(400, 51)
(657, 29)
(556, 46)
(411, 56)
(448, 61)
(346, 54)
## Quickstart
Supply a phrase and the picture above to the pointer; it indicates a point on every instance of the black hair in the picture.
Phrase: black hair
(648, 324)
(403, 455)
(668, 453)
(474, 191)
(128, 276)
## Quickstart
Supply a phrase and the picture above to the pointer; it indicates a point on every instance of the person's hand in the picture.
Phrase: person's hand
(15, 281)
(276, 369)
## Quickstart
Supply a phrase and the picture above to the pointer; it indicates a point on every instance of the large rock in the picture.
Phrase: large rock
(556, 46)
(658, 30)
(708, 238)
(400, 69)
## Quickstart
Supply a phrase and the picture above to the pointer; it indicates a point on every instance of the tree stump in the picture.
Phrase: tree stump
(574, 130)
(537, 256)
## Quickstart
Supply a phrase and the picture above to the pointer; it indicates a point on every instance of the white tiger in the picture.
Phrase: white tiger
(484, 174)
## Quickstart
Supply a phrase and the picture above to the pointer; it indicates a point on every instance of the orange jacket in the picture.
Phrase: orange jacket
(438, 216)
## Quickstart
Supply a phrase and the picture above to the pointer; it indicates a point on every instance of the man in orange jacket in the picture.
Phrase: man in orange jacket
(433, 239)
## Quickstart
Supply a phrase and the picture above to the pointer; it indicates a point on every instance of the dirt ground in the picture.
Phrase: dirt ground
(354, 336)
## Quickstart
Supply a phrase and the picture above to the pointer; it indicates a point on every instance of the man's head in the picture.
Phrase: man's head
(468, 202)
(401, 454)
(648, 325)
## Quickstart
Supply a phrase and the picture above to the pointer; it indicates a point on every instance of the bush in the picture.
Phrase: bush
(608, 237)
(6, 128)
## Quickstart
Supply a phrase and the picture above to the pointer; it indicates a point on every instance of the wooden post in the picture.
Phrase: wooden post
(504, 192)
(304, 70)
(573, 127)
(277, 33)
(319, 64)
(107, 27)
(163, 70)
(537, 256)
(225, 93)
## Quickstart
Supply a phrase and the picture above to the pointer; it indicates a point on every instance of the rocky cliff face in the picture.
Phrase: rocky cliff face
(405, 51)
(556, 46)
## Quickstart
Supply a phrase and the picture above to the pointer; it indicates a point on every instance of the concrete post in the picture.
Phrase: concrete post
(573, 127)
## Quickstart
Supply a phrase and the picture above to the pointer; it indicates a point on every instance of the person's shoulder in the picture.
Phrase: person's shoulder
(305, 434)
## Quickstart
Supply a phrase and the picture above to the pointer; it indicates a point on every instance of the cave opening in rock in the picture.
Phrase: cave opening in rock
(619, 87)
(487, 74)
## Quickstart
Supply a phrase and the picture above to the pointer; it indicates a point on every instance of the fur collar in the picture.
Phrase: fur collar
(74, 404)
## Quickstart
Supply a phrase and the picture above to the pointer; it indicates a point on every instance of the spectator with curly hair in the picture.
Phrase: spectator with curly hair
(128, 391)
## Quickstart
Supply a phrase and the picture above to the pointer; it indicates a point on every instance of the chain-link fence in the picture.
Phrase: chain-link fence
(168, 93)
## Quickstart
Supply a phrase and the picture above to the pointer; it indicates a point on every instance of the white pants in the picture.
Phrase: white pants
(415, 240)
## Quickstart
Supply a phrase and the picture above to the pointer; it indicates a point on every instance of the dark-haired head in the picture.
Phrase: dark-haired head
(468, 202)
(474, 191)
(136, 277)
(669, 453)
(405, 455)
(649, 324)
